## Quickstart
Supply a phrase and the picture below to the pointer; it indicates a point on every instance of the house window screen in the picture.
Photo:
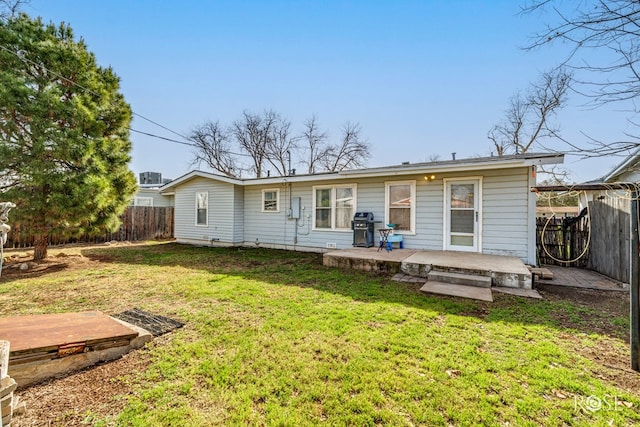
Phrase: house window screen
(344, 207)
(400, 206)
(143, 201)
(202, 206)
(323, 208)
(462, 208)
(270, 201)
(334, 207)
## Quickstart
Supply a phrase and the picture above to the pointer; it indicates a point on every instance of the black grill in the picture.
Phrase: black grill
(362, 225)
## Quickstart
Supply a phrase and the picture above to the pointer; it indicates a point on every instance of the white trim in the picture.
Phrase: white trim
(412, 184)
(198, 174)
(271, 190)
(531, 223)
(332, 214)
(477, 180)
(136, 200)
(463, 165)
(206, 224)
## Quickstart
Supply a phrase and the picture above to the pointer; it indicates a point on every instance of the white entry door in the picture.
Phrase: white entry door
(462, 215)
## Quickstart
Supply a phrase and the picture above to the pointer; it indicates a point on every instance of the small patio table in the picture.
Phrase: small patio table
(384, 236)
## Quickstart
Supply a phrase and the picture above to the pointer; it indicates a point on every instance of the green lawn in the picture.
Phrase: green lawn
(274, 338)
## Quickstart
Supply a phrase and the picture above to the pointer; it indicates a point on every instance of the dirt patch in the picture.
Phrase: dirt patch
(607, 305)
(609, 300)
(97, 392)
(23, 268)
(613, 364)
(612, 368)
(19, 263)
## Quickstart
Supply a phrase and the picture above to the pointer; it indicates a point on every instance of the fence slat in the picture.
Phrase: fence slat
(558, 244)
(138, 223)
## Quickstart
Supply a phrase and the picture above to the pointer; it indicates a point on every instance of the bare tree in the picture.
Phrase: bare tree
(315, 144)
(528, 118)
(10, 8)
(279, 146)
(253, 133)
(268, 139)
(603, 40)
(433, 158)
(213, 147)
(351, 152)
(608, 28)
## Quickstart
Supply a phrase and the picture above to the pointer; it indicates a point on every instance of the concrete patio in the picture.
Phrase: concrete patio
(420, 266)
(508, 274)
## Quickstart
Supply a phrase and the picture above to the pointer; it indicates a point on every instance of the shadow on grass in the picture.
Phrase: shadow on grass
(604, 315)
(12, 272)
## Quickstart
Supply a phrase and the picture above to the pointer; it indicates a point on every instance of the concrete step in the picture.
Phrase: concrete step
(460, 279)
(464, 291)
(541, 273)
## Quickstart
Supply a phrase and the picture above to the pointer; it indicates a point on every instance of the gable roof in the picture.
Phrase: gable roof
(475, 163)
(629, 164)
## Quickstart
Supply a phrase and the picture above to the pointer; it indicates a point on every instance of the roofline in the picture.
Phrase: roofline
(618, 169)
(478, 163)
(291, 178)
(195, 174)
(587, 186)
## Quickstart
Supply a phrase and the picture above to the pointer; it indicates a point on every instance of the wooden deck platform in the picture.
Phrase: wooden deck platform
(49, 336)
(42, 346)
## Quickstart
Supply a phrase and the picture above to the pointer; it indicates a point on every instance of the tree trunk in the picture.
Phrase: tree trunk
(40, 247)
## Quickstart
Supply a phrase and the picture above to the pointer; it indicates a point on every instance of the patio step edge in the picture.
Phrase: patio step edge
(460, 279)
(463, 291)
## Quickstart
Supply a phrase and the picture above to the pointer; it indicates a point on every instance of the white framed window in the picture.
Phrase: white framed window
(271, 200)
(334, 207)
(202, 208)
(143, 201)
(400, 205)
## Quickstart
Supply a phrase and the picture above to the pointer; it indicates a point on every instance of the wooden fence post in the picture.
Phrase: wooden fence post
(634, 281)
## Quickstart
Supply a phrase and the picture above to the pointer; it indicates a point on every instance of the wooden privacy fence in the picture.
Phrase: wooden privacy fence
(562, 241)
(608, 249)
(138, 223)
(611, 232)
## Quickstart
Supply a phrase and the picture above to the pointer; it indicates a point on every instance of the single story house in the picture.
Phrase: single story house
(150, 196)
(481, 205)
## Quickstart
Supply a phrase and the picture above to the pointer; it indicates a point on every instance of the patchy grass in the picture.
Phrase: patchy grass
(274, 338)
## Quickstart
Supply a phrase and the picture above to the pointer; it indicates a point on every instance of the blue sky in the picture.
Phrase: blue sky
(421, 77)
